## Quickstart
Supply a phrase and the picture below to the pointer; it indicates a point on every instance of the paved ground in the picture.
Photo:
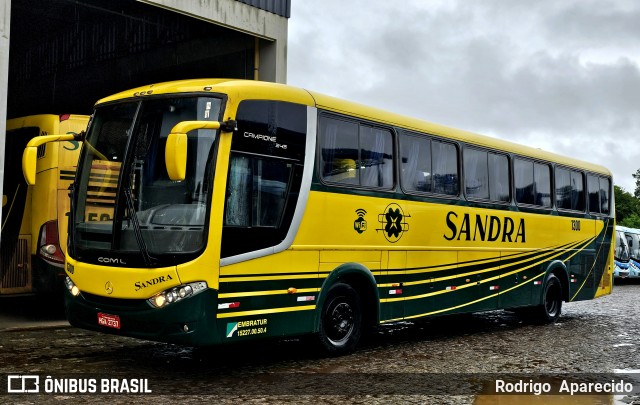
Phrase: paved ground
(31, 312)
(409, 362)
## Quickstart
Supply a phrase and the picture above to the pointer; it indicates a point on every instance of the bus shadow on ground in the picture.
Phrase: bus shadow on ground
(270, 355)
(32, 308)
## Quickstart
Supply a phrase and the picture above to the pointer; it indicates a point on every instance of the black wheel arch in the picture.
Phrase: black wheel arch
(558, 269)
(360, 279)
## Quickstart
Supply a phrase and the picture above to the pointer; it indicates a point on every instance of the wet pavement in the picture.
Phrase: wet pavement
(447, 360)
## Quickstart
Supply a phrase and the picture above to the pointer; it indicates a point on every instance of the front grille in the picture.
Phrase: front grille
(120, 303)
(15, 266)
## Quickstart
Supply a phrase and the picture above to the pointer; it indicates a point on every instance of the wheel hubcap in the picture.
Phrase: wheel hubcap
(340, 322)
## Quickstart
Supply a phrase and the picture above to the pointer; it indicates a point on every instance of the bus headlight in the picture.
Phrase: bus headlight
(176, 294)
(73, 289)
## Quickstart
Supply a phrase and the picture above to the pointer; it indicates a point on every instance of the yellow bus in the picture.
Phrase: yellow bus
(34, 219)
(250, 210)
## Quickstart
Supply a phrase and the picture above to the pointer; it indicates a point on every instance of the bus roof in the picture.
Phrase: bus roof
(248, 89)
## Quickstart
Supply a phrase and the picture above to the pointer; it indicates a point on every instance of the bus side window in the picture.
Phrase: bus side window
(444, 156)
(569, 189)
(577, 191)
(339, 151)
(605, 187)
(257, 191)
(593, 185)
(542, 176)
(533, 182)
(357, 154)
(476, 173)
(523, 173)
(376, 157)
(415, 169)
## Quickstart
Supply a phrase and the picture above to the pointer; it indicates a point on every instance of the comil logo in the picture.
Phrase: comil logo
(23, 384)
(111, 260)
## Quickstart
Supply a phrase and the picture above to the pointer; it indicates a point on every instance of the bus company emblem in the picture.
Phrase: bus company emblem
(360, 224)
(108, 287)
(156, 280)
(393, 222)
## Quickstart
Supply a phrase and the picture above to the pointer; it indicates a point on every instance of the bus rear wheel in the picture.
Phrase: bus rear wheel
(551, 308)
(340, 320)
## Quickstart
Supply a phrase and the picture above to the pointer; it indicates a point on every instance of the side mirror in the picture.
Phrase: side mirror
(30, 154)
(175, 153)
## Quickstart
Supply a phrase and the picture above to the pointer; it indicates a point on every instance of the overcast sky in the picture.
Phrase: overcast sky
(561, 75)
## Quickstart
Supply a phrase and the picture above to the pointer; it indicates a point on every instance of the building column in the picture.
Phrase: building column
(5, 18)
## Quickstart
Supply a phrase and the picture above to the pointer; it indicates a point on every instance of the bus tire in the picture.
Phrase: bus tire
(551, 308)
(340, 320)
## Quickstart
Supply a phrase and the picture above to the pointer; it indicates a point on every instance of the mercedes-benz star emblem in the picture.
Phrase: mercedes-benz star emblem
(108, 287)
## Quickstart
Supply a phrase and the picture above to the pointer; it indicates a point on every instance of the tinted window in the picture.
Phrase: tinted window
(476, 173)
(499, 189)
(265, 173)
(577, 191)
(376, 157)
(355, 154)
(416, 163)
(486, 175)
(569, 189)
(339, 151)
(533, 183)
(542, 182)
(593, 184)
(605, 186)
(524, 180)
(257, 191)
(445, 168)
(428, 165)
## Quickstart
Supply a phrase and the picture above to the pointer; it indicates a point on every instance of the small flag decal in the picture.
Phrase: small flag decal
(228, 305)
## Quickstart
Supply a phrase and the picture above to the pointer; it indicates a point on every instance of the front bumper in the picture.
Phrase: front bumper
(183, 322)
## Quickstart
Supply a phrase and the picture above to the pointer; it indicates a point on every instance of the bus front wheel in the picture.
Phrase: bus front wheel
(340, 320)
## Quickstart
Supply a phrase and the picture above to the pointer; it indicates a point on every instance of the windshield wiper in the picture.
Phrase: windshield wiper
(133, 217)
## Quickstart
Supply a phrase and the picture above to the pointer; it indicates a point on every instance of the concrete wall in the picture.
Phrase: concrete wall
(270, 28)
(5, 16)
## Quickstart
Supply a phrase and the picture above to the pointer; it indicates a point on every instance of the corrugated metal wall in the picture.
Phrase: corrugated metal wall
(279, 7)
(66, 54)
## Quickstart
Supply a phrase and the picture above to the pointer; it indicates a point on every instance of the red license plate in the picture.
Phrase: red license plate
(110, 321)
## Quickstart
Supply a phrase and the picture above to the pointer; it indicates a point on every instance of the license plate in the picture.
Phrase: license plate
(110, 321)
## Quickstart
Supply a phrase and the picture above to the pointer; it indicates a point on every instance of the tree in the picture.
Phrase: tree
(637, 177)
(626, 205)
(632, 221)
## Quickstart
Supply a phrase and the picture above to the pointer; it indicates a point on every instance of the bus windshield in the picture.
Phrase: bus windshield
(622, 248)
(124, 203)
